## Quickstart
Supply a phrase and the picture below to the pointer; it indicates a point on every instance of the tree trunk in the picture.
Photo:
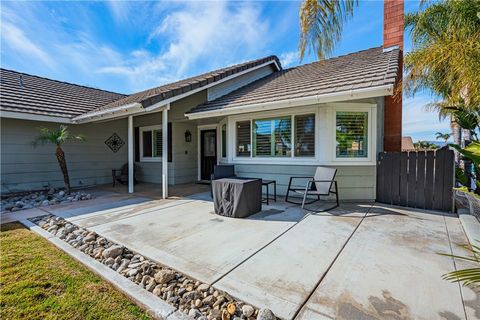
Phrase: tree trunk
(457, 136)
(63, 166)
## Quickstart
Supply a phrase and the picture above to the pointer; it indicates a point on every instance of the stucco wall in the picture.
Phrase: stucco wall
(24, 167)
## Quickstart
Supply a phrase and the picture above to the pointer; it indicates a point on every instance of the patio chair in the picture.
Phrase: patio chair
(121, 175)
(222, 171)
(318, 185)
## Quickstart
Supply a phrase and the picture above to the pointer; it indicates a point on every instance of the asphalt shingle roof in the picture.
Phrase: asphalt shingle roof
(363, 69)
(25, 93)
(155, 95)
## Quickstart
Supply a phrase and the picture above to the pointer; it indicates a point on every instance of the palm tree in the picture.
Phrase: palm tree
(321, 24)
(443, 136)
(445, 55)
(58, 137)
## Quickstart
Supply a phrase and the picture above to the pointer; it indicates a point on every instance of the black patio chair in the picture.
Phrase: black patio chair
(121, 175)
(319, 185)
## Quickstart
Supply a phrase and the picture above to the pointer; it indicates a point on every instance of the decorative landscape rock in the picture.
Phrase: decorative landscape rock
(196, 300)
(40, 199)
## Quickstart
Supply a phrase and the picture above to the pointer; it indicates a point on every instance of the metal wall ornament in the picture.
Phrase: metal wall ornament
(115, 142)
(188, 136)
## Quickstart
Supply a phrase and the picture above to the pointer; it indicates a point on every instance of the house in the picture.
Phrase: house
(269, 121)
(407, 144)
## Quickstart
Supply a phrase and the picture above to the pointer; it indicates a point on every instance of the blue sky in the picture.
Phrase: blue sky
(129, 46)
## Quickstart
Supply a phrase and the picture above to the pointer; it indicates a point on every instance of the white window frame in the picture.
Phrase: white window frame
(232, 136)
(140, 138)
(371, 132)
(325, 135)
(220, 125)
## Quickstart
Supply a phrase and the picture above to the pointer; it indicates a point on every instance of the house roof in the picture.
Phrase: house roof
(152, 96)
(364, 69)
(25, 93)
(407, 144)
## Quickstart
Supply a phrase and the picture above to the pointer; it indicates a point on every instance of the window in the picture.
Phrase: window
(272, 137)
(305, 135)
(243, 139)
(351, 134)
(151, 143)
(224, 140)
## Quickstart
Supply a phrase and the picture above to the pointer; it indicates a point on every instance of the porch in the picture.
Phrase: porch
(361, 260)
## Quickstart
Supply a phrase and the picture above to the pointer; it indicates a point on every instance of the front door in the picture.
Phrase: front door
(208, 153)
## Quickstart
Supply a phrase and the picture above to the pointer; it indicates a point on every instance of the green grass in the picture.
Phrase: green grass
(38, 281)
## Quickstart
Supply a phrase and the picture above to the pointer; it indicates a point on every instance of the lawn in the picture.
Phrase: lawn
(38, 281)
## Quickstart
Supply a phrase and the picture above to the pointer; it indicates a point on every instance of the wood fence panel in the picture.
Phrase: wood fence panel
(411, 179)
(429, 179)
(438, 184)
(416, 179)
(420, 183)
(403, 179)
(448, 182)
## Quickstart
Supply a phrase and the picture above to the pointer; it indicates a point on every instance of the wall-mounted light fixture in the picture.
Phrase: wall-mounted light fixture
(188, 136)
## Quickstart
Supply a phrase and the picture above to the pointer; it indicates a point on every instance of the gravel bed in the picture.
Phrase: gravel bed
(40, 199)
(193, 298)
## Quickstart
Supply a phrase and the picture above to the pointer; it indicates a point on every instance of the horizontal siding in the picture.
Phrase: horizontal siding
(25, 167)
(354, 183)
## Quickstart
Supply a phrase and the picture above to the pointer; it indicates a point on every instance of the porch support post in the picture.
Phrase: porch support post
(165, 152)
(130, 154)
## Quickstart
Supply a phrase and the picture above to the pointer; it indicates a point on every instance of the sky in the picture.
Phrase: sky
(128, 46)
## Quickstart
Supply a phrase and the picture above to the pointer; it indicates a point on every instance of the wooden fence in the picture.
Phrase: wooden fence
(418, 179)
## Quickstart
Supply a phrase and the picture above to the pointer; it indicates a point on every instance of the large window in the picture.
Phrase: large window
(281, 137)
(272, 137)
(351, 134)
(151, 143)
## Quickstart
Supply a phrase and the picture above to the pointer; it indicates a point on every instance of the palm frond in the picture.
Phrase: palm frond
(321, 24)
(470, 276)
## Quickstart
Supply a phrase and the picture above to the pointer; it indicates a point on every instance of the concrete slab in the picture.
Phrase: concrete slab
(471, 299)
(390, 269)
(187, 236)
(21, 215)
(295, 262)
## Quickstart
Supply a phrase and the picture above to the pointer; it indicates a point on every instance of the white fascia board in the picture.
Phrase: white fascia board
(91, 117)
(380, 91)
(33, 117)
(109, 113)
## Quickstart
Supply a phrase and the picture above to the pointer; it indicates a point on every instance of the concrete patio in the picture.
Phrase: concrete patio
(359, 261)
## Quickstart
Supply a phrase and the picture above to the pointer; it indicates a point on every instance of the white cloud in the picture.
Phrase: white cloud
(212, 33)
(288, 59)
(18, 42)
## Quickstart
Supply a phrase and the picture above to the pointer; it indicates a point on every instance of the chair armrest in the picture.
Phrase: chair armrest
(310, 177)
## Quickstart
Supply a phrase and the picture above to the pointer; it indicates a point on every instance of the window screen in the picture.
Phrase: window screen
(351, 134)
(147, 144)
(224, 141)
(305, 135)
(157, 143)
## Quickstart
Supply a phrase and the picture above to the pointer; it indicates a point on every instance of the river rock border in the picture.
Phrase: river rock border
(193, 298)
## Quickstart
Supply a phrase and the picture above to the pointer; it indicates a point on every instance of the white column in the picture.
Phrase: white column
(165, 153)
(130, 154)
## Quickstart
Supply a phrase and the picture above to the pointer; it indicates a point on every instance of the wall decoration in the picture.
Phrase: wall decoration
(114, 142)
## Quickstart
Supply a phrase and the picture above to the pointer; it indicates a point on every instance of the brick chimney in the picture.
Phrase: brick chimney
(393, 36)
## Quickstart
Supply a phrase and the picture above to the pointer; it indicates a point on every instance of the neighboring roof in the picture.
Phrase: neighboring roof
(407, 144)
(25, 93)
(158, 94)
(364, 69)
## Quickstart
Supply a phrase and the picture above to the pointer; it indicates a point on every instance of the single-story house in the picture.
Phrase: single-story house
(268, 121)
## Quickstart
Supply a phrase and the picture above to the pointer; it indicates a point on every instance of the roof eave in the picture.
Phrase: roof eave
(384, 90)
(136, 107)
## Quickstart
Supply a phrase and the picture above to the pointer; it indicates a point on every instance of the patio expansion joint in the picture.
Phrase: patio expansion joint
(304, 302)
(260, 249)
(455, 266)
